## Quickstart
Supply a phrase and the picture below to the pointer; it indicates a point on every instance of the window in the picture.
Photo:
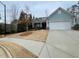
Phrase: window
(59, 12)
(76, 9)
(77, 15)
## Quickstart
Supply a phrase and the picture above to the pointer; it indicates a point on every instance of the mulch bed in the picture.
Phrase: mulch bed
(26, 33)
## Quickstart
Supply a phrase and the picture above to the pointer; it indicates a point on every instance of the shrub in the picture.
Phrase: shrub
(75, 27)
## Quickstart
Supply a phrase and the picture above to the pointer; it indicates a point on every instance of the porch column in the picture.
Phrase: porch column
(47, 24)
(32, 24)
(40, 24)
(26, 27)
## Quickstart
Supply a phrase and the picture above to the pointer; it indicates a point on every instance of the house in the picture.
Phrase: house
(39, 23)
(60, 19)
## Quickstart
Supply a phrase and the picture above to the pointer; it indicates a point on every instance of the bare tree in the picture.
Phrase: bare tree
(46, 12)
(28, 18)
(14, 12)
(27, 9)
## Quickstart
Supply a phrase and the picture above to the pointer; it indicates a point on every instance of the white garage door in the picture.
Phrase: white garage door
(60, 26)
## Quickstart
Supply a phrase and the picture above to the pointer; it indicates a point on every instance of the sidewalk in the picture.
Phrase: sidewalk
(39, 35)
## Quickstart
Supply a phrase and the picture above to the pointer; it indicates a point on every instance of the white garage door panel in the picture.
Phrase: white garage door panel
(60, 25)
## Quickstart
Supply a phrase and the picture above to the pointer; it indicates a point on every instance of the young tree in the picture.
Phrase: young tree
(28, 14)
(27, 9)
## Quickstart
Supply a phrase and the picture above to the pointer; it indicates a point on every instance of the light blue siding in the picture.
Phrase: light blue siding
(64, 16)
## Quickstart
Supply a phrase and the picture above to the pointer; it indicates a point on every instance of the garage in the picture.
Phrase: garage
(60, 20)
(60, 26)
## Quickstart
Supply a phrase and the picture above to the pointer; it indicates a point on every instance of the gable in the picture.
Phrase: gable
(60, 15)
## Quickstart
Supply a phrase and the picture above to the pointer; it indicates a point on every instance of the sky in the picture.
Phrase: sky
(37, 8)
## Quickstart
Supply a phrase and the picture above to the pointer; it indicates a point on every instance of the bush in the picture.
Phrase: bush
(75, 27)
(13, 31)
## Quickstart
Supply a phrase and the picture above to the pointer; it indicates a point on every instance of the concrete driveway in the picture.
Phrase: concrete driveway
(62, 44)
(30, 45)
(59, 44)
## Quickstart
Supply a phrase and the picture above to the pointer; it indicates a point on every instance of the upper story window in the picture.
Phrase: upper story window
(78, 16)
(59, 11)
(76, 9)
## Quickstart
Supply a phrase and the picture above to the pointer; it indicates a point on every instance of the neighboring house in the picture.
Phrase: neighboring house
(74, 10)
(39, 23)
(60, 20)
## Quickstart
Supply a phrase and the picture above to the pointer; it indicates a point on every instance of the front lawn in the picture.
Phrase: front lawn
(37, 35)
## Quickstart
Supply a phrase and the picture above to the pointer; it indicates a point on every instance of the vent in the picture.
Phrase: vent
(59, 11)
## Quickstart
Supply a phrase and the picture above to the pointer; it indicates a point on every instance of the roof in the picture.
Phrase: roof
(75, 5)
(41, 19)
(64, 16)
(60, 9)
